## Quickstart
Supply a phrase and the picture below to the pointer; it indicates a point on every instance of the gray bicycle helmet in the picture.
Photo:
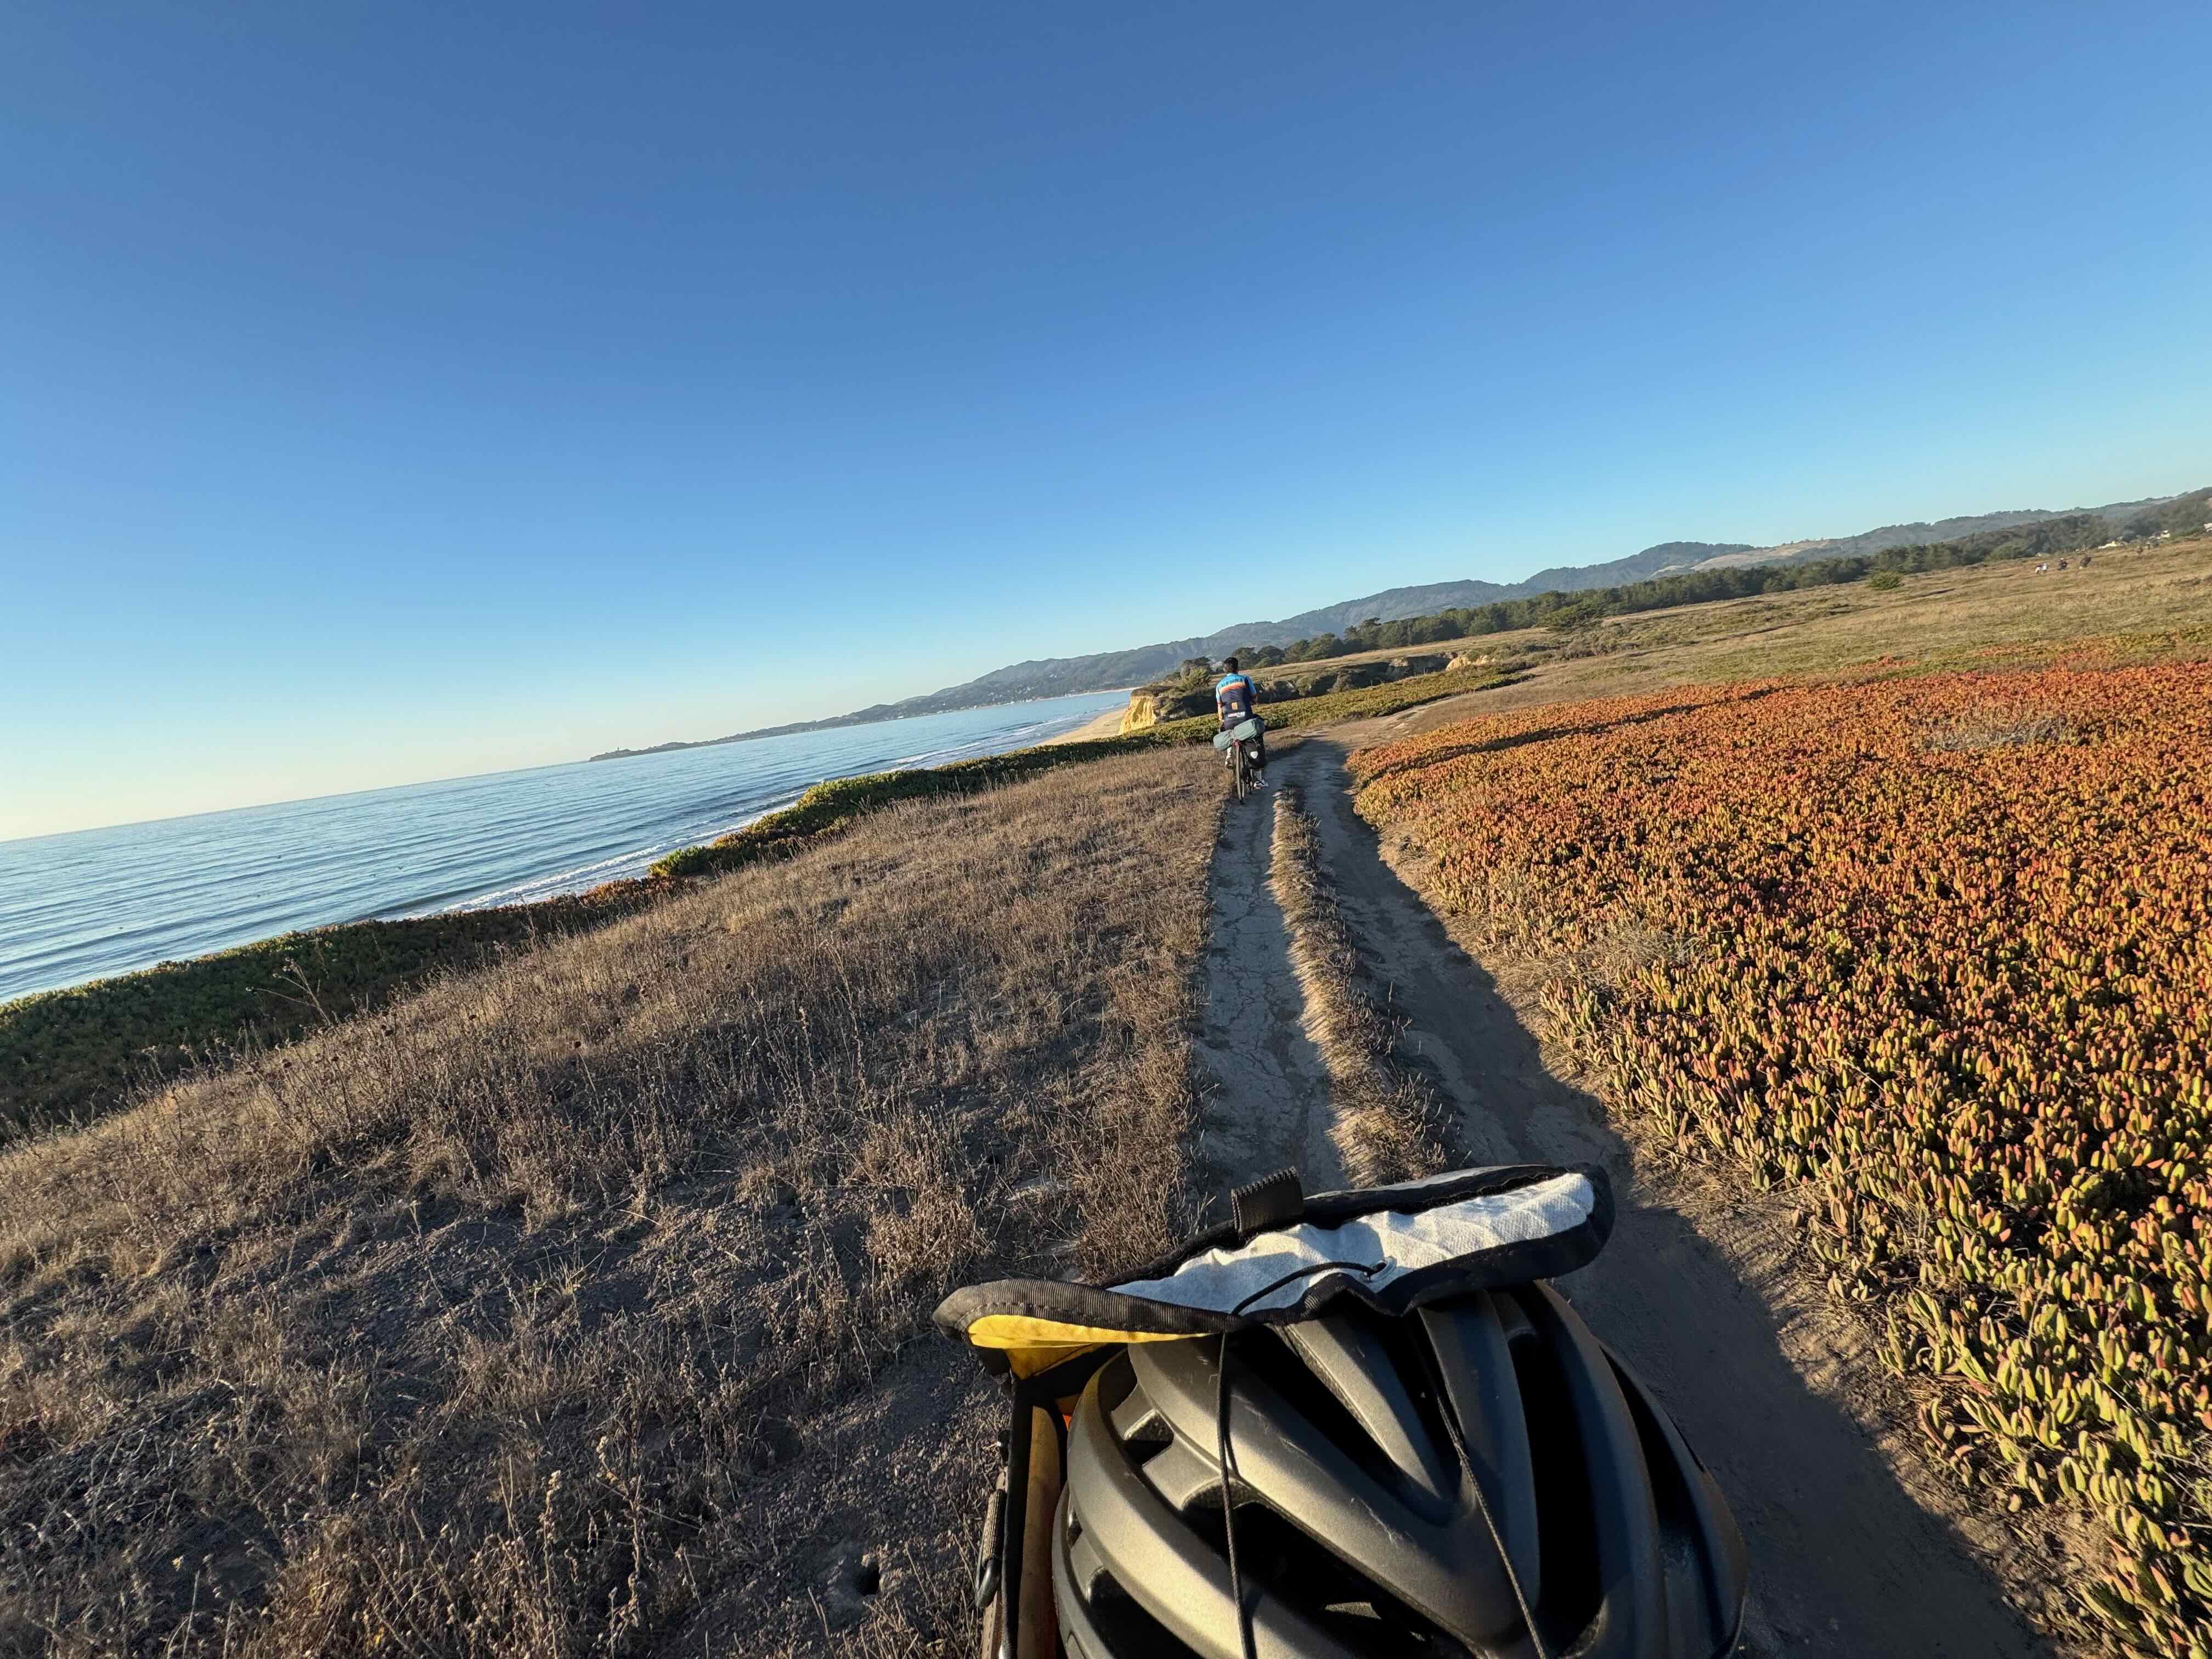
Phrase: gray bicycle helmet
(1356, 1444)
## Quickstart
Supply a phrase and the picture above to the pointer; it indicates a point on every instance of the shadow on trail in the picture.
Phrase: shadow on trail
(1844, 1560)
(1573, 728)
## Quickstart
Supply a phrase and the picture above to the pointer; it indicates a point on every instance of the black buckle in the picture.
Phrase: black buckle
(1267, 1202)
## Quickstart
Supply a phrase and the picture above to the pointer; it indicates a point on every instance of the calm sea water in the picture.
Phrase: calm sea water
(101, 902)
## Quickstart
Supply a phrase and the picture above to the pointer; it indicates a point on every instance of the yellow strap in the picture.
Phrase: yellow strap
(1037, 1344)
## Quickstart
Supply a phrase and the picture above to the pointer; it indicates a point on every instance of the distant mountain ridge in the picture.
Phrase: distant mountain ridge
(1105, 671)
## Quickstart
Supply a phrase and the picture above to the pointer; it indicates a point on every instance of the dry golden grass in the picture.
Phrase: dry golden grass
(2133, 605)
(1389, 1122)
(572, 1307)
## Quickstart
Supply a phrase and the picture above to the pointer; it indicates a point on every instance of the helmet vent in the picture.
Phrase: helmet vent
(1122, 1619)
(1565, 1529)
(1406, 1448)
(1293, 1569)
(1317, 1405)
(1138, 1423)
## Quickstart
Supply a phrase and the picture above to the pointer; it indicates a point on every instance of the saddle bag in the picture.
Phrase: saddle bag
(1243, 731)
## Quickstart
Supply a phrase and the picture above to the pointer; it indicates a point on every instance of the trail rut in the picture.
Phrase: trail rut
(1852, 1552)
(1268, 1106)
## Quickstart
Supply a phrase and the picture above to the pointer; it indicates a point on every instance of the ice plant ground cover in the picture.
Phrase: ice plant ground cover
(1933, 955)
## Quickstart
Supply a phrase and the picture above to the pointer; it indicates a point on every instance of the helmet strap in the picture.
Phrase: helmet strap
(1228, 1507)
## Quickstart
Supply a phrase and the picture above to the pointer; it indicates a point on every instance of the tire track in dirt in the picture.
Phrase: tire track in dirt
(1268, 1105)
(1846, 1559)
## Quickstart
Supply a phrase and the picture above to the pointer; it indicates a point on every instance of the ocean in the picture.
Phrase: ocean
(93, 902)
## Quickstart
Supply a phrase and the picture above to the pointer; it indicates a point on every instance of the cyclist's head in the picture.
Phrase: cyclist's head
(1231, 665)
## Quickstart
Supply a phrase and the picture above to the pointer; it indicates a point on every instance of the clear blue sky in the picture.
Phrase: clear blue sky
(392, 391)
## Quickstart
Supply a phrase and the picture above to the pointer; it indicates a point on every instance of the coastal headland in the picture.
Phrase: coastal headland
(535, 1275)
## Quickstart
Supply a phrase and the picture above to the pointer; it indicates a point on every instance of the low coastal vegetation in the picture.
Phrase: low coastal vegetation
(2148, 603)
(1934, 954)
(1189, 692)
(571, 1306)
(68, 1056)
(831, 807)
(1375, 701)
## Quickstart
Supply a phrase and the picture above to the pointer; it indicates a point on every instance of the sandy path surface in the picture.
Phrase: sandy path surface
(1694, 1289)
(1268, 1104)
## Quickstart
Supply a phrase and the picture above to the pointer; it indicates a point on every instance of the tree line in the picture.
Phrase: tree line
(2045, 539)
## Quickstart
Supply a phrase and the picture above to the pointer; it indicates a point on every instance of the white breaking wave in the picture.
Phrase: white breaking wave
(579, 879)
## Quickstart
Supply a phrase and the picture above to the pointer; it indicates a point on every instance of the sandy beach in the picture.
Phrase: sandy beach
(1108, 725)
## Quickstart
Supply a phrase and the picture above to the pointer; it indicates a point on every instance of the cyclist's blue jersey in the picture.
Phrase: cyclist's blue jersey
(1234, 696)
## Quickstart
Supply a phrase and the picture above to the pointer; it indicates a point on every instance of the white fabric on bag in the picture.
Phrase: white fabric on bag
(1221, 1279)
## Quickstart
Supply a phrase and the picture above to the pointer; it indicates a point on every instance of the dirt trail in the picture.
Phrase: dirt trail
(1846, 1560)
(1269, 1103)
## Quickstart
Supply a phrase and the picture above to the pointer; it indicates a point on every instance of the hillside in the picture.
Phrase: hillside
(1106, 670)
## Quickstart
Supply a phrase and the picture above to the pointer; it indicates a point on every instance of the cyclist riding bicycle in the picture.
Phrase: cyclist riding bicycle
(1236, 699)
